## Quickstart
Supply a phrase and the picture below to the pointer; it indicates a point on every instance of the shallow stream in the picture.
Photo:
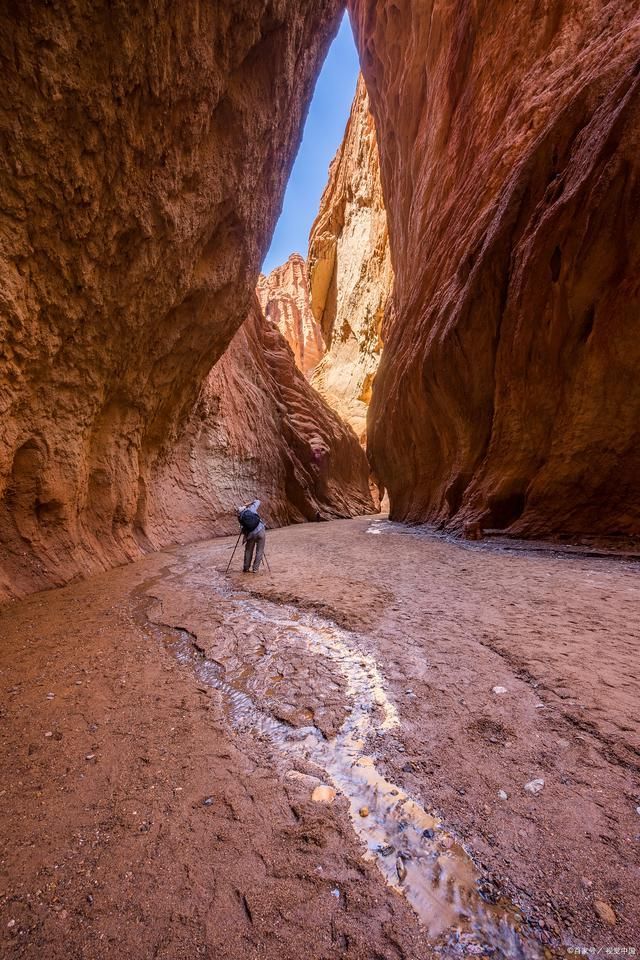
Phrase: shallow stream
(415, 853)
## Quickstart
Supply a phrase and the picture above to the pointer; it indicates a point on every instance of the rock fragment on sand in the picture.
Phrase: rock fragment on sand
(364, 811)
(323, 794)
(499, 690)
(534, 786)
(605, 912)
(503, 795)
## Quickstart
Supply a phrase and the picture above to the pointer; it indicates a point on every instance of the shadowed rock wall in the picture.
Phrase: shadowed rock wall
(144, 152)
(509, 137)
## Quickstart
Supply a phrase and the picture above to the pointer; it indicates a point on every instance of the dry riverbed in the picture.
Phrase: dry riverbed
(172, 740)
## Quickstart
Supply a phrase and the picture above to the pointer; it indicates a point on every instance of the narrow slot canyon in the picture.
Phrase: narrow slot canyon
(376, 266)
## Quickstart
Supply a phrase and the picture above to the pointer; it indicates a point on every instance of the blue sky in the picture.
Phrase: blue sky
(323, 133)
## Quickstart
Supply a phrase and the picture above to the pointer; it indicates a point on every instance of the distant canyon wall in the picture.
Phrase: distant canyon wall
(257, 429)
(350, 274)
(508, 390)
(144, 158)
(284, 298)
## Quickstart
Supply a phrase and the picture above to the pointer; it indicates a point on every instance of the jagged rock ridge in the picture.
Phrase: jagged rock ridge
(284, 298)
(350, 273)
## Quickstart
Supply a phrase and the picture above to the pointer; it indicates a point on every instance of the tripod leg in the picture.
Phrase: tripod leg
(233, 554)
(267, 563)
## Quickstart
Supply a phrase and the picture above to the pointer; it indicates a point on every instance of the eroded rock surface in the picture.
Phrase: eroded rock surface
(257, 428)
(350, 269)
(508, 389)
(143, 163)
(284, 298)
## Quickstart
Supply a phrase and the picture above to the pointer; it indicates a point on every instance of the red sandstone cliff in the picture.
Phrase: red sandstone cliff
(144, 157)
(284, 298)
(508, 389)
(258, 428)
(350, 273)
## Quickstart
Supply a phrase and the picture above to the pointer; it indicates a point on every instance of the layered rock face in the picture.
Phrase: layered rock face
(350, 272)
(508, 391)
(284, 299)
(258, 429)
(144, 156)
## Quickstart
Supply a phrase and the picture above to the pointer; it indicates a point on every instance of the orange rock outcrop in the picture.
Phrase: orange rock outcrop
(284, 298)
(508, 391)
(144, 158)
(350, 272)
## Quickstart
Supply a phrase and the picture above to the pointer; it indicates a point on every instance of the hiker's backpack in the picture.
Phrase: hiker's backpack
(248, 520)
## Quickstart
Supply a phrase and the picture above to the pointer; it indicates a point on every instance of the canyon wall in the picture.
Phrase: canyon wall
(284, 299)
(258, 429)
(145, 149)
(350, 273)
(508, 391)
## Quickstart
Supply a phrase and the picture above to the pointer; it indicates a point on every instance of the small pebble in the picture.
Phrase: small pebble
(499, 690)
(335, 893)
(605, 912)
(207, 801)
(364, 811)
(428, 834)
(50, 696)
(401, 869)
(49, 733)
(534, 786)
(323, 794)
(503, 795)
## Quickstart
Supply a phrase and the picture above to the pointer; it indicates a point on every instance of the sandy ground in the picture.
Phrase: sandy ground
(144, 815)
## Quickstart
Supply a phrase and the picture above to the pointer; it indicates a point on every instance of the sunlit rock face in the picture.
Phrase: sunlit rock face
(258, 429)
(284, 298)
(143, 164)
(350, 271)
(508, 390)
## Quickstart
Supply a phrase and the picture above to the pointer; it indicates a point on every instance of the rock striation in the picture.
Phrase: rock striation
(508, 391)
(257, 428)
(284, 299)
(350, 272)
(143, 163)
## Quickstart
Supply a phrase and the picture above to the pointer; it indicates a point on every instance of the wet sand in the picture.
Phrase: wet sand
(165, 730)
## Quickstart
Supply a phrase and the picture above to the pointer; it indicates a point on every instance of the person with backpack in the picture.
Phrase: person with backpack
(254, 534)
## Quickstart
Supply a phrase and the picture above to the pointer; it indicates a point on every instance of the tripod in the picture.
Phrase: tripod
(234, 552)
